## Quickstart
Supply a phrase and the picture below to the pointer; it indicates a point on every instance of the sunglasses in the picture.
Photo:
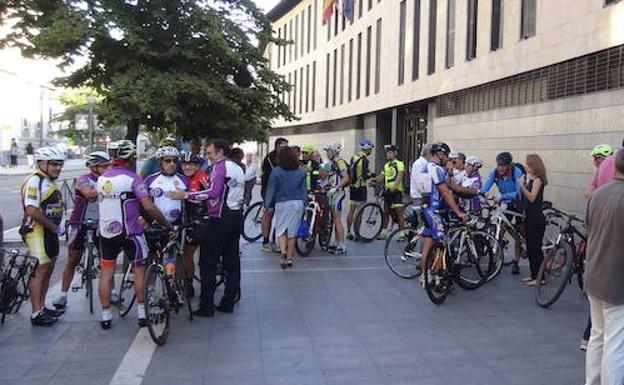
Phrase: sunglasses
(169, 160)
(55, 164)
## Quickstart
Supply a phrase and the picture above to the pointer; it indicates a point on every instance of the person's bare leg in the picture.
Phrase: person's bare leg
(73, 259)
(291, 247)
(36, 285)
(46, 281)
(339, 228)
(189, 261)
(267, 218)
(139, 278)
(105, 286)
(350, 216)
(398, 212)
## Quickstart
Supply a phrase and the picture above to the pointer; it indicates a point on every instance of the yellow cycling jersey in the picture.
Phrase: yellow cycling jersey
(391, 172)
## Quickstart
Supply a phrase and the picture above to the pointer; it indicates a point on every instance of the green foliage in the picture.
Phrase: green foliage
(192, 66)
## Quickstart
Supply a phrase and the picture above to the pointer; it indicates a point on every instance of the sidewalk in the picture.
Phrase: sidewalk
(23, 169)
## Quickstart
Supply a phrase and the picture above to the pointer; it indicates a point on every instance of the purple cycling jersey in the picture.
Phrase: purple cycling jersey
(226, 188)
(83, 208)
(119, 191)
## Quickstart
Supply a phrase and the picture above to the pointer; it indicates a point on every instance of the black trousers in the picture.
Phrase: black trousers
(535, 228)
(219, 238)
(249, 185)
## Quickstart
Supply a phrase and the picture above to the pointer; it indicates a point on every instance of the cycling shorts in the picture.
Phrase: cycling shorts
(42, 244)
(135, 248)
(192, 238)
(357, 195)
(78, 238)
(393, 199)
(434, 225)
(335, 201)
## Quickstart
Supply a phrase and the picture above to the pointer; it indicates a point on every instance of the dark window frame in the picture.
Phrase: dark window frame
(450, 33)
(378, 56)
(431, 56)
(335, 77)
(498, 19)
(402, 22)
(327, 82)
(313, 85)
(369, 38)
(416, 41)
(528, 19)
(358, 76)
(471, 29)
(350, 72)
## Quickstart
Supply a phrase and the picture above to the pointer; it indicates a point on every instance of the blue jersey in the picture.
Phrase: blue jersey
(507, 184)
(437, 177)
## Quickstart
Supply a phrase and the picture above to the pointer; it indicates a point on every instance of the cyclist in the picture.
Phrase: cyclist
(269, 162)
(419, 167)
(195, 212)
(506, 176)
(151, 164)
(434, 194)
(311, 167)
(338, 180)
(359, 174)
(392, 179)
(599, 154)
(122, 194)
(459, 163)
(85, 208)
(469, 185)
(41, 227)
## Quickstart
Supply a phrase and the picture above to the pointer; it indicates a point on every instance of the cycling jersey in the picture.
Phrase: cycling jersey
(119, 191)
(225, 190)
(417, 181)
(436, 176)
(39, 191)
(360, 173)
(311, 174)
(158, 185)
(507, 184)
(84, 209)
(339, 166)
(458, 176)
(391, 172)
(196, 210)
(471, 205)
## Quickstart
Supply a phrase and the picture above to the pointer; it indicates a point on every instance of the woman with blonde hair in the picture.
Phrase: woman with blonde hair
(532, 188)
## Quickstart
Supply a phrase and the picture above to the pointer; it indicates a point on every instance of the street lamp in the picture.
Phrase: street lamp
(91, 100)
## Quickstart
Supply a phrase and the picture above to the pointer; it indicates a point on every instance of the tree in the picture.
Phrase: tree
(195, 66)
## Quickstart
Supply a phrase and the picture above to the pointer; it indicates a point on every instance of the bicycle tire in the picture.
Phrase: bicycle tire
(437, 284)
(181, 283)
(304, 246)
(579, 279)
(369, 219)
(254, 213)
(89, 274)
(157, 306)
(127, 296)
(473, 260)
(404, 258)
(324, 238)
(491, 267)
(559, 271)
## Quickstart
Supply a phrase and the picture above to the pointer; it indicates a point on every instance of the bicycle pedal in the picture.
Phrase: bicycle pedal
(75, 289)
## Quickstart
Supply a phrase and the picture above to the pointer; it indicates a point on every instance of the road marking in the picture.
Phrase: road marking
(132, 368)
(314, 269)
(328, 257)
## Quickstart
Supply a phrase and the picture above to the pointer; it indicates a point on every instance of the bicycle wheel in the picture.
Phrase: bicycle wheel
(156, 303)
(89, 273)
(403, 253)
(437, 284)
(304, 246)
(490, 254)
(126, 291)
(252, 222)
(180, 274)
(474, 261)
(370, 220)
(554, 274)
(324, 238)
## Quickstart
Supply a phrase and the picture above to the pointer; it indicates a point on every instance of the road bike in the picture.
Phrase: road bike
(16, 269)
(565, 257)
(368, 221)
(87, 268)
(403, 248)
(164, 287)
(252, 222)
(320, 225)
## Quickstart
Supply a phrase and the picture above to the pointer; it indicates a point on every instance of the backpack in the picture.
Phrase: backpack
(353, 169)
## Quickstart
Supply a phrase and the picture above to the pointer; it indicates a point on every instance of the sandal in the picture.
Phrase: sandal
(527, 279)
(283, 263)
(289, 262)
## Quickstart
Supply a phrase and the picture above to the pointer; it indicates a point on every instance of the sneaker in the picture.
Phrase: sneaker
(52, 312)
(266, 248)
(225, 309)
(340, 251)
(383, 235)
(331, 249)
(515, 270)
(106, 324)
(350, 237)
(60, 304)
(583, 346)
(43, 319)
(142, 322)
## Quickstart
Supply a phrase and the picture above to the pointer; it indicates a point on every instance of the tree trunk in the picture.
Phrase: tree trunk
(133, 130)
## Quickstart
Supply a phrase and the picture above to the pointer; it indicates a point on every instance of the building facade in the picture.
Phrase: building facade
(543, 76)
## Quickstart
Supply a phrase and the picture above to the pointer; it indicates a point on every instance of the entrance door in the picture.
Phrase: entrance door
(414, 135)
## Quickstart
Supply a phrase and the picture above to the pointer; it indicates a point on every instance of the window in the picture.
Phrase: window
(335, 77)
(416, 41)
(342, 57)
(290, 91)
(527, 20)
(313, 85)
(309, 26)
(315, 21)
(370, 4)
(496, 40)
(327, 83)
(290, 37)
(433, 14)
(609, 2)
(329, 30)
(450, 34)
(302, 42)
(369, 33)
(358, 73)
(296, 35)
(335, 21)
(378, 58)
(402, 42)
(294, 108)
(361, 8)
(471, 33)
(350, 71)
(284, 48)
(307, 88)
(301, 91)
(279, 48)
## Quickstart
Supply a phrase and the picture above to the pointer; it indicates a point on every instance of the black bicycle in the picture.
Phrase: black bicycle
(15, 271)
(252, 222)
(87, 268)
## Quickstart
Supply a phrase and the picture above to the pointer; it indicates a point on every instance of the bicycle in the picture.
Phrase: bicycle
(369, 216)
(563, 259)
(456, 252)
(252, 222)
(320, 225)
(87, 269)
(403, 248)
(15, 271)
(164, 290)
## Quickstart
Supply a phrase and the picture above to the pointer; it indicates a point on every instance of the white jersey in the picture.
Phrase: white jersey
(235, 185)
(458, 176)
(419, 168)
(158, 185)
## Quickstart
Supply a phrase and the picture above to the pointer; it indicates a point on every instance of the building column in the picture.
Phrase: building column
(393, 126)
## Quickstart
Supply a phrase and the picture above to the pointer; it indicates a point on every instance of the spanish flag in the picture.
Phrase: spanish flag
(328, 9)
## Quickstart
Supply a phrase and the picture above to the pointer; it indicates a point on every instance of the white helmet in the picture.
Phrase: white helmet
(121, 149)
(97, 158)
(334, 147)
(49, 153)
(474, 161)
(167, 152)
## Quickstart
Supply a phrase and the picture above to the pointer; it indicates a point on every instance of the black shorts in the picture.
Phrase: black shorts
(393, 199)
(78, 239)
(135, 248)
(192, 238)
(357, 194)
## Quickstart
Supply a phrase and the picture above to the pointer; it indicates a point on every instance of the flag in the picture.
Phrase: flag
(348, 9)
(328, 10)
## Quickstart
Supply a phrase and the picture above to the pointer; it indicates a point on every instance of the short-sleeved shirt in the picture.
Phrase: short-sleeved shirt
(473, 204)
(418, 168)
(85, 209)
(360, 163)
(120, 191)
(158, 185)
(605, 172)
(41, 192)
(339, 166)
(391, 174)
(436, 176)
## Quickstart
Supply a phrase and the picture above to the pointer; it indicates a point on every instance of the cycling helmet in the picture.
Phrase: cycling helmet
(307, 148)
(367, 144)
(97, 158)
(454, 155)
(504, 158)
(189, 157)
(168, 141)
(391, 147)
(167, 152)
(602, 150)
(326, 166)
(474, 161)
(440, 147)
(122, 149)
(49, 153)
(334, 147)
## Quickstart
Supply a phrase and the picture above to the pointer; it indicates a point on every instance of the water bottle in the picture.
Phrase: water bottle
(169, 267)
